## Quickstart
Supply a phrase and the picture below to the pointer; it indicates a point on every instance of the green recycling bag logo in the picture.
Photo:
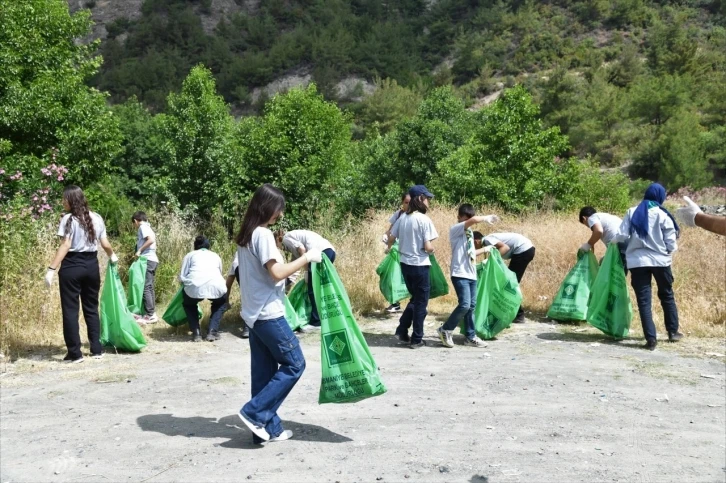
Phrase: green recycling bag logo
(569, 291)
(509, 287)
(337, 348)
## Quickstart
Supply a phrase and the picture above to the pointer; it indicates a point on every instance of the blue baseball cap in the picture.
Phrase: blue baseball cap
(419, 190)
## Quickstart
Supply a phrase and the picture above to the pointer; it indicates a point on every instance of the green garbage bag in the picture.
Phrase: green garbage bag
(349, 372)
(300, 301)
(291, 316)
(570, 303)
(439, 285)
(609, 308)
(391, 282)
(174, 314)
(118, 327)
(137, 278)
(498, 297)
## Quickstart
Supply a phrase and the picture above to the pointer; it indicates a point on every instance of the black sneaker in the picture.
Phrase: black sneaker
(650, 344)
(212, 336)
(72, 360)
(674, 336)
(245, 331)
(196, 336)
(418, 345)
(403, 337)
(518, 319)
(97, 356)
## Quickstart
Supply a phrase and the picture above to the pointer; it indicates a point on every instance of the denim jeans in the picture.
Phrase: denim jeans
(418, 284)
(640, 279)
(149, 293)
(466, 293)
(314, 317)
(277, 362)
(518, 264)
(190, 308)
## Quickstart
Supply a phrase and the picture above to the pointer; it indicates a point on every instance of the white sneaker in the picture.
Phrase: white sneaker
(97, 356)
(475, 342)
(259, 431)
(445, 337)
(284, 436)
(151, 319)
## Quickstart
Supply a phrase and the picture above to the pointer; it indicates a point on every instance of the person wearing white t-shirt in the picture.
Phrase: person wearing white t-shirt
(415, 231)
(604, 227)
(277, 361)
(516, 248)
(82, 231)
(146, 247)
(405, 200)
(463, 275)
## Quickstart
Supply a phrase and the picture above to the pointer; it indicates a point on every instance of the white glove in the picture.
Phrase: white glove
(49, 274)
(688, 213)
(384, 239)
(315, 256)
(585, 247)
(113, 258)
(491, 219)
(487, 249)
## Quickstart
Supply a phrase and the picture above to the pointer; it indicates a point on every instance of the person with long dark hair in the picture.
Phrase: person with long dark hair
(277, 361)
(79, 277)
(415, 231)
(651, 233)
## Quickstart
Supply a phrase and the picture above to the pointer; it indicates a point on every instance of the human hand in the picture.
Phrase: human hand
(137, 255)
(487, 249)
(113, 258)
(585, 247)
(384, 239)
(687, 214)
(314, 255)
(49, 274)
(490, 219)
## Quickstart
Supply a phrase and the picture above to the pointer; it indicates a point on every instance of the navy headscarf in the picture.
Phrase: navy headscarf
(654, 196)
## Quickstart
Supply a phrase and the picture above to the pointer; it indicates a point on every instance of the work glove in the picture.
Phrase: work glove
(487, 249)
(688, 213)
(113, 258)
(314, 256)
(384, 239)
(49, 274)
(585, 247)
(491, 219)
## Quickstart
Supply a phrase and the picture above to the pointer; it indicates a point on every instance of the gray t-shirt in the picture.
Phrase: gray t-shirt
(462, 265)
(142, 233)
(201, 274)
(656, 250)
(413, 231)
(78, 236)
(306, 239)
(261, 297)
(517, 243)
(610, 225)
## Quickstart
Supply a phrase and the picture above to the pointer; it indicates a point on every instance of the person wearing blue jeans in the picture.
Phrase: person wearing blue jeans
(463, 275)
(277, 361)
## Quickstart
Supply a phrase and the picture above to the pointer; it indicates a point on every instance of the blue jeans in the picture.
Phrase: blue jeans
(640, 279)
(277, 362)
(466, 293)
(314, 317)
(418, 284)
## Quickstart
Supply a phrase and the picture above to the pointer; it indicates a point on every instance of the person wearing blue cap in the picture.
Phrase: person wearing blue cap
(651, 233)
(415, 231)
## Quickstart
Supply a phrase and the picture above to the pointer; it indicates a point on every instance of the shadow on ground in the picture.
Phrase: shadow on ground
(230, 427)
(589, 338)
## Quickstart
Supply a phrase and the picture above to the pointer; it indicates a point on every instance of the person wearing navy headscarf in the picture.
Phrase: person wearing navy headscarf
(651, 234)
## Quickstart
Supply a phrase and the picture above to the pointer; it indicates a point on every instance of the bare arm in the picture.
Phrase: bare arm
(301, 251)
(280, 271)
(714, 224)
(149, 240)
(503, 248)
(596, 234)
(61, 253)
(106, 246)
(428, 247)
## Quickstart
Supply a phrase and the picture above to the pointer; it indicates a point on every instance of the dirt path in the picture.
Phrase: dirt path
(542, 403)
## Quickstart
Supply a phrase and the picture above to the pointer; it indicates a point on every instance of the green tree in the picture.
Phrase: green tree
(387, 106)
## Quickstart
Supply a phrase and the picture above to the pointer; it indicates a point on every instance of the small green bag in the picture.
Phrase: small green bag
(570, 303)
(391, 283)
(118, 327)
(137, 279)
(349, 372)
(300, 301)
(174, 314)
(609, 308)
(439, 284)
(291, 316)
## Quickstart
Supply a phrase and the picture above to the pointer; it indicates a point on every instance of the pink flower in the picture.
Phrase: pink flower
(2, 171)
(60, 177)
(35, 198)
(47, 207)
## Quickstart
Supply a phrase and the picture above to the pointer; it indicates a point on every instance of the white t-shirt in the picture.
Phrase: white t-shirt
(461, 263)
(396, 216)
(304, 238)
(610, 225)
(261, 297)
(413, 231)
(78, 236)
(517, 243)
(201, 274)
(142, 233)
(233, 267)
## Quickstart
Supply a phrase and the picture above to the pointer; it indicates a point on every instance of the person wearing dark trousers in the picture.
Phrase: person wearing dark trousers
(79, 277)
(651, 234)
(201, 274)
(519, 250)
(298, 242)
(146, 247)
(415, 233)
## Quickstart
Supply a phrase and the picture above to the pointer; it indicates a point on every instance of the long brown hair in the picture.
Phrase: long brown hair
(79, 210)
(417, 204)
(265, 203)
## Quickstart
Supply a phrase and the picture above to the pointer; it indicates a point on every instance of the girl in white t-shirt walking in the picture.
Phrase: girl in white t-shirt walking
(277, 361)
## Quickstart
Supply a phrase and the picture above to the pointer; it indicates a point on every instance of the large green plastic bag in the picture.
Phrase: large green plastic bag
(349, 372)
(609, 308)
(391, 283)
(291, 316)
(137, 278)
(300, 301)
(498, 297)
(174, 314)
(570, 303)
(118, 327)
(439, 285)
